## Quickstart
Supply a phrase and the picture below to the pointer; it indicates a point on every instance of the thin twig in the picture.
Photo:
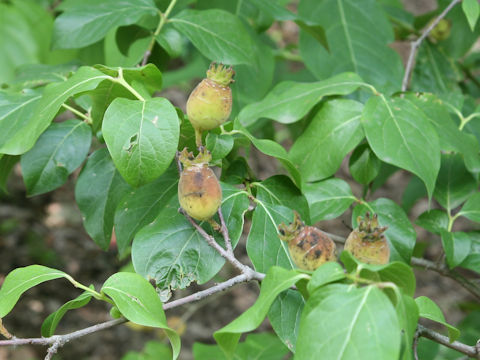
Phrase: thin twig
(163, 20)
(471, 351)
(469, 285)
(211, 241)
(52, 350)
(414, 45)
(224, 231)
(415, 344)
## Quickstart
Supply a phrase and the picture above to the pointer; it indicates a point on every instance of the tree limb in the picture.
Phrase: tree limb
(471, 351)
(414, 45)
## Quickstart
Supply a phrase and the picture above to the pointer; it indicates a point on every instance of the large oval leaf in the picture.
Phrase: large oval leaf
(400, 134)
(84, 22)
(173, 253)
(333, 133)
(290, 101)
(353, 46)
(57, 153)
(138, 301)
(142, 137)
(98, 190)
(349, 323)
(217, 34)
(328, 199)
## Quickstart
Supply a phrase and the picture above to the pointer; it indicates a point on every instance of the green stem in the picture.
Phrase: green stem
(451, 220)
(120, 80)
(163, 21)
(87, 118)
(464, 121)
(94, 293)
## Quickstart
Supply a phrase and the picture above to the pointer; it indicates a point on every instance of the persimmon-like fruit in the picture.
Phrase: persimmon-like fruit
(199, 191)
(308, 246)
(367, 242)
(210, 103)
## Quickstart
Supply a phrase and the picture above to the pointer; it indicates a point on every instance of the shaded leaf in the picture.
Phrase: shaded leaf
(429, 310)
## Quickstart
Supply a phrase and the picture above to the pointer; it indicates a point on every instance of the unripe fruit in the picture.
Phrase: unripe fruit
(210, 103)
(308, 246)
(199, 191)
(367, 242)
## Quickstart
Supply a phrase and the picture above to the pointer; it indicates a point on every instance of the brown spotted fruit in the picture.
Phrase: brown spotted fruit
(210, 103)
(308, 246)
(199, 191)
(367, 242)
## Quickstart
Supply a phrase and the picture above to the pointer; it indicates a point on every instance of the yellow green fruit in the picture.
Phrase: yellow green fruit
(199, 191)
(210, 103)
(367, 242)
(308, 246)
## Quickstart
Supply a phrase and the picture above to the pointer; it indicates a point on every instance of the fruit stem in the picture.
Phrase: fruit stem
(198, 138)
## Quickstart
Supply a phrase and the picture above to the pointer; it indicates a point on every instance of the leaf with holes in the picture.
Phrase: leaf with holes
(142, 137)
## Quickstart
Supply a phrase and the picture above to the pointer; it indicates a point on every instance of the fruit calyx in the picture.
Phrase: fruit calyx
(220, 74)
(289, 232)
(188, 159)
(369, 229)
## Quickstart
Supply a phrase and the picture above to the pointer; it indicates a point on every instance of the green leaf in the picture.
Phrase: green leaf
(328, 199)
(271, 148)
(50, 323)
(450, 137)
(217, 34)
(219, 145)
(349, 327)
(7, 162)
(276, 281)
(264, 247)
(173, 253)
(280, 190)
(57, 153)
(15, 118)
(400, 134)
(472, 261)
(289, 101)
(471, 209)
(284, 316)
(138, 301)
(352, 45)
(325, 274)
(141, 206)
(435, 221)
(414, 191)
(407, 313)
(98, 190)
(28, 127)
(435, 72)
(471, 8)
(429, 310)
(332, 134)
(457, 247)
(17, 41)
(396, 272)
(364, 165)
(20, 280)
(142, 137)
(84, 22)
(454, 183)
(264, 345)
(33, 75)
(400, 234)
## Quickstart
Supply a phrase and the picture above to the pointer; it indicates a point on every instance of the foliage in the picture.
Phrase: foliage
(80, 89)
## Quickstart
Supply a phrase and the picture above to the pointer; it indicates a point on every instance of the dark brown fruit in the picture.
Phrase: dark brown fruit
(308, 246)
(367, 242)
